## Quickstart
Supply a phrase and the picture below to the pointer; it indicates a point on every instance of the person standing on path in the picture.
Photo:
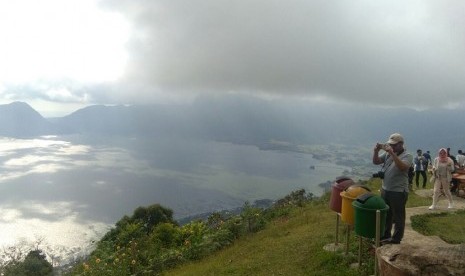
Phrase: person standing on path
(396, 163)
(443, 166)
(420, 168)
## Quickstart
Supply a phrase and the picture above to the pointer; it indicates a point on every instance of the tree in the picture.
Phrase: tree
(152, 215)
(145, 218)
(35, 264)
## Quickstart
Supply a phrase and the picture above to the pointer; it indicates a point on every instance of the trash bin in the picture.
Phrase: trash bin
(340, 185)
(348, 196)
(365, 207)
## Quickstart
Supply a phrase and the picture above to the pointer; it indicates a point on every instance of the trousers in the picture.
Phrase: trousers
(395, 215)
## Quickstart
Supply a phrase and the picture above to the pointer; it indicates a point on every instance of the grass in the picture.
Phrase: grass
(294, 245)
(288, 246)
(435, 224)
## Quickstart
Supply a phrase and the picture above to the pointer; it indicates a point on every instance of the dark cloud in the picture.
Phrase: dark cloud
(395, 53)
(392, 53)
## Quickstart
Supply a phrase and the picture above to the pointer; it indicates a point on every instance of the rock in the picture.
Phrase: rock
(406, 259)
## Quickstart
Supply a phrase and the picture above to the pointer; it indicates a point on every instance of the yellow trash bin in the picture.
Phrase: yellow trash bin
(348, 196)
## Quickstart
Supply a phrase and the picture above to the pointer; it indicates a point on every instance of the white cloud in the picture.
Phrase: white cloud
(54, 39)
(133, 51)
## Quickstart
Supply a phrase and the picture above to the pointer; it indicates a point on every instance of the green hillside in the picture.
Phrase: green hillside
(290, 245)
(294, 245)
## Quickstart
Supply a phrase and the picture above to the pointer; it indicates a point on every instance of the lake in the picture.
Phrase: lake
(68, 191)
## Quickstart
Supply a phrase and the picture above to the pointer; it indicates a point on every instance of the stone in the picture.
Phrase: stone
(427, 259)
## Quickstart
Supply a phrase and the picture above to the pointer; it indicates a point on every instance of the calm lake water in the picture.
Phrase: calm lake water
(68, 191)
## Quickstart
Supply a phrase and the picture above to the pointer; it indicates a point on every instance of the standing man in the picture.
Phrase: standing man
(420, 168)
(396, 163)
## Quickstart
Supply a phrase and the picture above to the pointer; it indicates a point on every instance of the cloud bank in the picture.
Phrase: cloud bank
(392, 53)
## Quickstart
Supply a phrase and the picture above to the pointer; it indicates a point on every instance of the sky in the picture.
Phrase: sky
(60, 55)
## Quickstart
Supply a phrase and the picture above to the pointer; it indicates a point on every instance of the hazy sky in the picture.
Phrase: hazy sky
(59, 55)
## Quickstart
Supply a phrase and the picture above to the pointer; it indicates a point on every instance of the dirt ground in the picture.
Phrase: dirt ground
(414, 238)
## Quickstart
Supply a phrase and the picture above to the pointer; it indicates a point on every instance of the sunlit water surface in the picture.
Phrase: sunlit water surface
(66, 192)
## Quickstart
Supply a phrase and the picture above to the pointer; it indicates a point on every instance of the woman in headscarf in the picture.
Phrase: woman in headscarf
(443, 166)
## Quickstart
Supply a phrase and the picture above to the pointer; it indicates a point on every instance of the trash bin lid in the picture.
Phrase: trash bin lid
(355, 190)
(370, 201)
(343, 183)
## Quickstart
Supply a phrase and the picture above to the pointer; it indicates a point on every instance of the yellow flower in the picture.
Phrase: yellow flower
(86, 266)
(133, 262)
(97, 260)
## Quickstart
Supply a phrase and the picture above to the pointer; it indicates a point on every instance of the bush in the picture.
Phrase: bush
(150, 242)
(35, 264)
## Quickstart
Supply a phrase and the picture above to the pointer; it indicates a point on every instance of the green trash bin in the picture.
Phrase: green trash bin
(365, 207)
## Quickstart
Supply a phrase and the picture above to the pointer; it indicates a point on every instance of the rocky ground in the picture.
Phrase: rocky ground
(411, 236)
(423, 255)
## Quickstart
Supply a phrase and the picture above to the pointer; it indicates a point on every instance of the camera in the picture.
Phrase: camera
(379, 174)
(386, 147)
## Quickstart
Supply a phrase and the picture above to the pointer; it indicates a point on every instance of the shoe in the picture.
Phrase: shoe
(389, 241)
(450, 206)
(432, 207)
(384, 242)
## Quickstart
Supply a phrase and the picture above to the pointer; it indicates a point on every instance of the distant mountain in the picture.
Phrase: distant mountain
(18, 119)
(129, 120)
(252, 121)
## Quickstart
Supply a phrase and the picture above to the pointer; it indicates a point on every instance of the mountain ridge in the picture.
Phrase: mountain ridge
(19, 119)
(247, 121)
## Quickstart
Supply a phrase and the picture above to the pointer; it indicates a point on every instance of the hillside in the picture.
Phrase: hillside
(291, 245)
(294, 245)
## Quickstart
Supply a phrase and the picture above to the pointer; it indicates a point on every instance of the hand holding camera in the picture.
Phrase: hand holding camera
(385, 147)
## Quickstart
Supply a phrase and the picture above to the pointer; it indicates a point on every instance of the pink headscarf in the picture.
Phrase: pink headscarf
(444, 157)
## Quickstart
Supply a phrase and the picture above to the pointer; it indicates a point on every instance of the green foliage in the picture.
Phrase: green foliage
(141, 223)
(35, 264)
(252, 217)
(166, 235)
(295, 198)
(150, 242)
(288, 245)
(152, 215)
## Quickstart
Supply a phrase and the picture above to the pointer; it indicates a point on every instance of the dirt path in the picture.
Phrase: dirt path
(414, 238)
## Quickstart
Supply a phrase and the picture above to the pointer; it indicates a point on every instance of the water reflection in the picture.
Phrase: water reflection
(70, 192)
